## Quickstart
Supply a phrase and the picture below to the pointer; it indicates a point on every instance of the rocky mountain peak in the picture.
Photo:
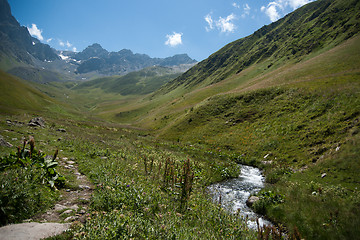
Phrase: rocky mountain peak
(5, 12)
(94, 50)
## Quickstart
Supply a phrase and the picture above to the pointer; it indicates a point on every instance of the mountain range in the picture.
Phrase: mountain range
(96, 58)
(25, 56)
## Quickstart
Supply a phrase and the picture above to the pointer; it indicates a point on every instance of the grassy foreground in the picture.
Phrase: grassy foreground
(144, 189)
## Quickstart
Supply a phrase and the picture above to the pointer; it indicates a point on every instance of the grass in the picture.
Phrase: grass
(144, 188)
(28, 183)
(293, 111)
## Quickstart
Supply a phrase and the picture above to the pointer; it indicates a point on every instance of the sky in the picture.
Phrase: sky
(158, 28)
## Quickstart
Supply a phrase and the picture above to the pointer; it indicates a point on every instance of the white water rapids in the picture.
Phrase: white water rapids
(234, 193)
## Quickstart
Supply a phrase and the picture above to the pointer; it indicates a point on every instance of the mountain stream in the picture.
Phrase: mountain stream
(233, 193)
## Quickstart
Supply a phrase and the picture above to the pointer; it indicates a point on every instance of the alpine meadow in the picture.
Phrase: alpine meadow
(121, 145)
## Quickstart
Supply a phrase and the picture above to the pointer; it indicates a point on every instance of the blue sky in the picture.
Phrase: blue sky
(159, 28)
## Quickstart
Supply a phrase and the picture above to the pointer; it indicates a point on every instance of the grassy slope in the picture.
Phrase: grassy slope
(115, 97)
(37, 75)
(321, 24)
(136, 83)
(317, 26)
(18, 95)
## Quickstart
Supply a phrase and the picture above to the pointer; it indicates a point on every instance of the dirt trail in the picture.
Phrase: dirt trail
(73, 206)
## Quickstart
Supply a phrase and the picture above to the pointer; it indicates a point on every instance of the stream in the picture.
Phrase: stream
(234, 193)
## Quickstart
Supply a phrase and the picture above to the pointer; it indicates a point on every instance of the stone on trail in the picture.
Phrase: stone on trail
(32, 231)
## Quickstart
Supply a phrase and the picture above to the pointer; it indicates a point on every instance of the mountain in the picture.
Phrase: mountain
(28, 58)
(17, 43)
(316, 26)
(95, 58)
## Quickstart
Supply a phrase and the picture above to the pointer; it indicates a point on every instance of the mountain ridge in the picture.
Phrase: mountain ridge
(16, 41)
(36, 61)
(305, 30)
(96, 58)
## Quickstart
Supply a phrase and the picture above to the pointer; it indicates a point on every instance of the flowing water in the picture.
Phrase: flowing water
(233, 193)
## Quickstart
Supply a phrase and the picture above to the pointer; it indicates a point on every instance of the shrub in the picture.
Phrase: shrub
(27, 179)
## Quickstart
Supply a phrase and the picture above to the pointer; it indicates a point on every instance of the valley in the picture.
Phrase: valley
(151, 139)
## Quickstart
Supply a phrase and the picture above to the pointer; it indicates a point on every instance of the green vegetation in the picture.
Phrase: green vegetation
(144, 188)
(306, 142)
(16, 94)
(136, 83)
(27, 180)
(285, 99)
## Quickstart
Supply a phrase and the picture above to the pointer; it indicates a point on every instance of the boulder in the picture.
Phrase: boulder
(3, 143)
(251, 200)
(37, 122)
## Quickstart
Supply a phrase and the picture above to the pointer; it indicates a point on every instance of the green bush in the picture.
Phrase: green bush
(27, 180)
(22, 194)
(267, 199)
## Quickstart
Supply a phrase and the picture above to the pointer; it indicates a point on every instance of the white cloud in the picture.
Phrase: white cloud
(74, 49)
(35, 32)
(226, 24)
(235, 5)
(274, 10)
(246, 11)
(209, 20)
(61, 43)
(174, 39)
(68, 44)
(223, 24)
(49, 40)
(298, 3)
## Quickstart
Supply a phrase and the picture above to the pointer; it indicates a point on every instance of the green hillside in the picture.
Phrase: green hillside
(17, 95)
(136, 83)
(315, 27)
(37, 75)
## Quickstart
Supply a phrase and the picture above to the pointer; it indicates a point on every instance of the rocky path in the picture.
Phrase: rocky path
(73, 206)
